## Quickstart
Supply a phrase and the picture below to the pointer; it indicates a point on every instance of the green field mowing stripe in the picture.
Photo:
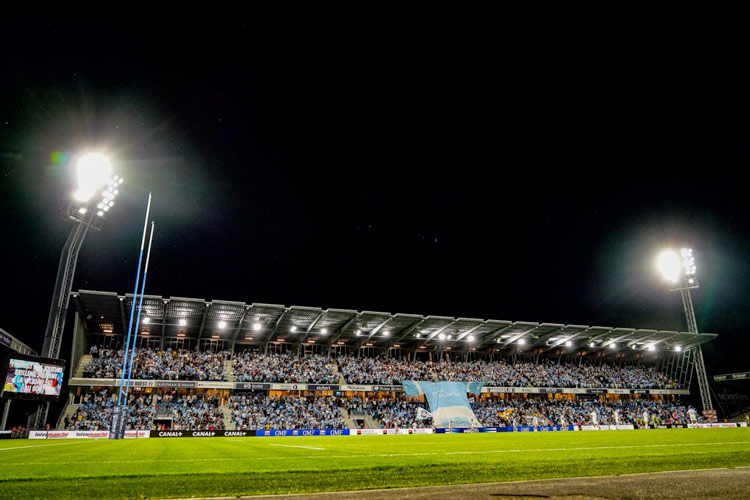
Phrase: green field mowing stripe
(186, 467)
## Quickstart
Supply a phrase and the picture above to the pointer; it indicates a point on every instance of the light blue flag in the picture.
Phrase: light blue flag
(448, 402)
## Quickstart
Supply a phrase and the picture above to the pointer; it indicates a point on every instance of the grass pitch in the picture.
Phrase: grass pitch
(187, 467)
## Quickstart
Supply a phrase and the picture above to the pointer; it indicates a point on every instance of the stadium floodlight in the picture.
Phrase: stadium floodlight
(183, 322)
(678, 268)
(257, 326)
(146, 320)
(450, 337)
(680, 271)
(470, 338)
(568, 343)
(324, 331)
(419, 336)
(386, 333)
(441, 336)
(222, 324)
(521, 341)
(358, 332)
(592, 344)
(651, 347)
(678, 348)
(293, 329)
(93, 170)
(613, 346)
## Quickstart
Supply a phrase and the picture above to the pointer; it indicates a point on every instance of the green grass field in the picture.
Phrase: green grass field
(187, 467)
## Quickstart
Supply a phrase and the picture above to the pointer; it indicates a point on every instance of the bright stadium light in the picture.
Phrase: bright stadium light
(324, 331)
(441, 336)
(93, 170)
(678, 348)
(613, 346)
(183, 322)
(568, 343)
(592, 345)
(651, 347)
(358, 332)
(669, 265)
(146, 320)
(222, 324)
(257, 326)
(386, 333)
(521, 341)
(470, 338)
(293, 329)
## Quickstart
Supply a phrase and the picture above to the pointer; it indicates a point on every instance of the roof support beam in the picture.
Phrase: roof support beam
(519, 336)
(438, 332)
(611, 341)
(570, 338)
(467, 333)
(276, 325)
(379, 327)
(164, 320)
(343, 329)
(495, 335)
(239, 326)
(593, 339)
(411, 329)
(309, 328)
(203, 320)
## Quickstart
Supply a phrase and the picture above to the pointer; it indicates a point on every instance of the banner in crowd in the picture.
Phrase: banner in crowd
(262, 386)
(448, 402)
(5, 434)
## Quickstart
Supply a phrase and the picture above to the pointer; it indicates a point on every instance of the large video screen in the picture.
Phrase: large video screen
(30, 377)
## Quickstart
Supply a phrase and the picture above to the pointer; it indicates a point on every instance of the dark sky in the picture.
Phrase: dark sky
(458, 163)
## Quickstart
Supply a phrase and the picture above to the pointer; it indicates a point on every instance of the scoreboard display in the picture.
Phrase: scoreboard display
(32, 377)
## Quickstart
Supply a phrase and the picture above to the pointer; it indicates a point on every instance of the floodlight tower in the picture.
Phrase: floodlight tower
(679, 271)
(95, 196)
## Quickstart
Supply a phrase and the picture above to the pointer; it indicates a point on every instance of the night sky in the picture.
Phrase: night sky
(456, 163)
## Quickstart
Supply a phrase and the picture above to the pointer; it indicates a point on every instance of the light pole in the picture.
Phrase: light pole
(97, 190)
(679, 271)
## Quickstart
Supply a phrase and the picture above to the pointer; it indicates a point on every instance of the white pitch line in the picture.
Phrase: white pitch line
(315, 457)
(295, 446)
(35, 446)
(235, 440)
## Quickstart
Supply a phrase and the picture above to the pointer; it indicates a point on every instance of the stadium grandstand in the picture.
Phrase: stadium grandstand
(230, 365)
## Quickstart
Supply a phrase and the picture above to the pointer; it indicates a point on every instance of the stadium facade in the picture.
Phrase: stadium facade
(217, 325)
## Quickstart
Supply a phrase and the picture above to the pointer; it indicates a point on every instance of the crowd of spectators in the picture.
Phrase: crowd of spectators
(256, 411)
(250, 366)
(535, 412)
(95, 412)
(498, 373)
(149, 363)
(148, 411)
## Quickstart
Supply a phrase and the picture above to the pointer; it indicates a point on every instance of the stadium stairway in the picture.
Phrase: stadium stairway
(69, 410)
(228, 424)
(83, 362)
(371, 422)
(229, 371)
(347, 419)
